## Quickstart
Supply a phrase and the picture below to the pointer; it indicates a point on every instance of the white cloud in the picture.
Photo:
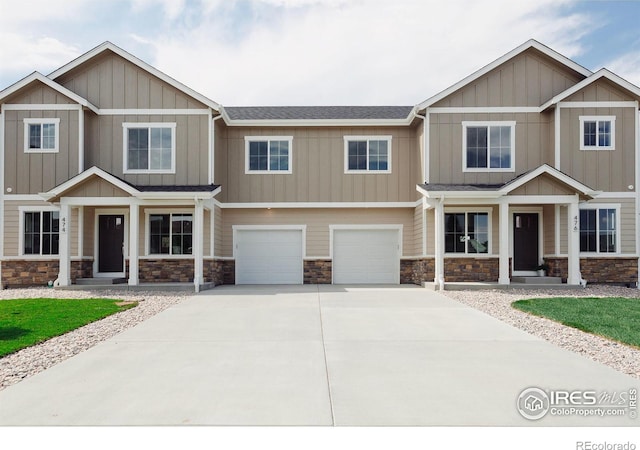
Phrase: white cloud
(22, 54)
(627, 66)
(356, 52)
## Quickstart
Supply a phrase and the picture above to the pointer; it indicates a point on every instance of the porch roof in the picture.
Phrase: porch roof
(122, 188)
(494, 191)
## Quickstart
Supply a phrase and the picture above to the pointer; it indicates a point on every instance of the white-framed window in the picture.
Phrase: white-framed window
(597, 132)
(599, 227)
(466, 232)
(149, 147)
(367, 154)
(39, 231)
(268, 154)
(170, 233)
(488, 146)
(41, 135)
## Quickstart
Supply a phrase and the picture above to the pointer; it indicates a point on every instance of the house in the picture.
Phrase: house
(110, 168)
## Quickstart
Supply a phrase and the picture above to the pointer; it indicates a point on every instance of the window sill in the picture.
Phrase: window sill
(149, 172)
(366, 172)
(592, 149)
(488, 170)
(268, 172)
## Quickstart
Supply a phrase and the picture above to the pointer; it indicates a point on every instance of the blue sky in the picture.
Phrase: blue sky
(303, 52)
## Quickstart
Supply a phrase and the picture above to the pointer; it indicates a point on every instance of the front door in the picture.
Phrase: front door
(110, 243)
(525, 242)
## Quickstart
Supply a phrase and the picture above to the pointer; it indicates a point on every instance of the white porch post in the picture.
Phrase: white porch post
(504, 242)
(134, 241)
(64, 273)
(573, 240)
(439, 243)
(198, 229)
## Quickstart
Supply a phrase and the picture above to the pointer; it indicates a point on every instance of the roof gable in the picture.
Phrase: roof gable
(107, 47)
(569, 65)
(37, 78)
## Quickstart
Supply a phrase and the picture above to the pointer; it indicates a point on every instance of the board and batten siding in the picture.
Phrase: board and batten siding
(605, 170)
(317, 222)
(318, 167)
(39, 94)
(31, 173)
(111, 82)
(529, 79)
(532, 138)
(104, 148)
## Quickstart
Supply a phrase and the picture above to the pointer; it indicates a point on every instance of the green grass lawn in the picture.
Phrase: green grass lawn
(25, 322)
(614, 318)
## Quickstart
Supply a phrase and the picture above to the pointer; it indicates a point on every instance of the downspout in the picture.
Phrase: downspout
(425, 144)
(212, 148)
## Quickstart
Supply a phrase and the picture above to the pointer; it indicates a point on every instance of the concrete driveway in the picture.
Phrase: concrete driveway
(310, 355)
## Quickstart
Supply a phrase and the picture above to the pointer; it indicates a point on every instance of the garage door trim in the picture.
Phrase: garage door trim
(363, 227)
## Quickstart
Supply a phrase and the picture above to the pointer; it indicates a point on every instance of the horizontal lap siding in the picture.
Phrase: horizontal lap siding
(317, 222)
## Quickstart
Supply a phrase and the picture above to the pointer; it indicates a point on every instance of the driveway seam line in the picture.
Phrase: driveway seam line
(326, 364)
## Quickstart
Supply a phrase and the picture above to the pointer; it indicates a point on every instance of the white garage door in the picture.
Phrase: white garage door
(366, 256)
(268, 256)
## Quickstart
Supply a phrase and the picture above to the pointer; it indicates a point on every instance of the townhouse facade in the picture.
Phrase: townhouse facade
(111, 169)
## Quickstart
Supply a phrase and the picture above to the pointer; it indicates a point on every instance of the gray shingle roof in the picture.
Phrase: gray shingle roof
(317, 112)
(434, 187)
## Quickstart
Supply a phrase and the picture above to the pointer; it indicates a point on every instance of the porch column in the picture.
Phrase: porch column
(573, 241)
(64, 250)
(198, 230)
(504, 243)
(439, 241)
(134, 241)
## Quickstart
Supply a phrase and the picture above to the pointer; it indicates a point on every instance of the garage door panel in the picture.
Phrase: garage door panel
(366, 256)
(269, 256)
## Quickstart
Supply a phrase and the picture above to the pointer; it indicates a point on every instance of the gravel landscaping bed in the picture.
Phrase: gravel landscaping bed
(497, 303)
(29, 361)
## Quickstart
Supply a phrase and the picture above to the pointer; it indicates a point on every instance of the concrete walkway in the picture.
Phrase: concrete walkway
(309, 355)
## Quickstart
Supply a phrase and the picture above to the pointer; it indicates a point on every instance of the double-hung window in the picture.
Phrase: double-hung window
(268, 154)
(466, 232)
(597, 132)
(40, 232)
(149, 147)
(170, 234)
(367, 154)
(41, 135)
(598, 230)
(488, 146)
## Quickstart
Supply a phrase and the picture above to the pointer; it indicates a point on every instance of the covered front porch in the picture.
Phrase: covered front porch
(117, 235)
(506, 233)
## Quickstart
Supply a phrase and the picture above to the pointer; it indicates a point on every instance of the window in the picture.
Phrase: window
(41, 135)
(149, 147)
(364, 154)
(488, 146)
(597, 132)
(41, 232)
(598, 230)
(268, 155)
(466, 232)
(170, 234)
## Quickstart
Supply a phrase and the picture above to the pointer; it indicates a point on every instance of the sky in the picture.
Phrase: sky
(317, 52)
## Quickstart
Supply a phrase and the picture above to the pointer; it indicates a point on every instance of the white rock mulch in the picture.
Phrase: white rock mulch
(29, 361)
(497, 303)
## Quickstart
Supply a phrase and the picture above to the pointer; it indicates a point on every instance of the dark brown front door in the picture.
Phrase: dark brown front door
(525, 241)
(110, 241)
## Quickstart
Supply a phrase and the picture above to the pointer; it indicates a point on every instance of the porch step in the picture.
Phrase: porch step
(537, 280)
(99, 281)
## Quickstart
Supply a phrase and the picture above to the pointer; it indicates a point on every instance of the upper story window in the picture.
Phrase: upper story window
(466, 232)
(40, 232)
(41, 135)
(488, 146)
(597, 132)
(367, 154)
(268, 154)
(598, 230)
(149, 147)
